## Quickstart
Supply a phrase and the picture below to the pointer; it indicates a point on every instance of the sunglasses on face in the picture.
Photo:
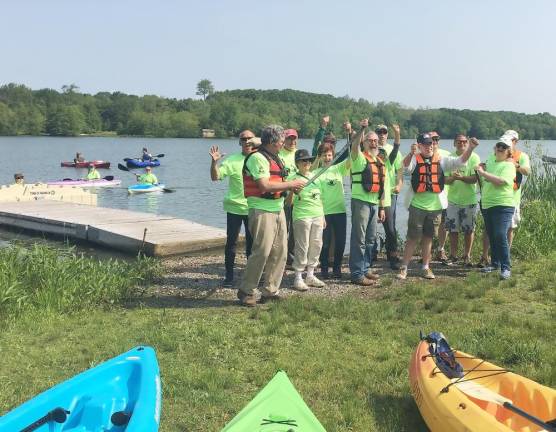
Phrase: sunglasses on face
(382, 132)
(245, 138)
(461, 141)
(435, 138)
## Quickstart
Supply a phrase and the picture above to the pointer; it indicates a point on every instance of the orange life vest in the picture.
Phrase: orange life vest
(518, 176)
(372, 176)
(428, 175)
(277, 174)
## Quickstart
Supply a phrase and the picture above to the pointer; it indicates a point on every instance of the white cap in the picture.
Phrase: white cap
(512, 134)
(505, 139)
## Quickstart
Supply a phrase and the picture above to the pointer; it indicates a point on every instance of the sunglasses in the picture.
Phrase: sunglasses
(435, 138)
(245, 138)
(381, 132)
(461, 141)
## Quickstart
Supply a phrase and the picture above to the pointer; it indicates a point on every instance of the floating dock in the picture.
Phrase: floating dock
(127, 231)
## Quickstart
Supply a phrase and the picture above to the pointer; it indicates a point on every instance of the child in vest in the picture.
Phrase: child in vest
(308, 224)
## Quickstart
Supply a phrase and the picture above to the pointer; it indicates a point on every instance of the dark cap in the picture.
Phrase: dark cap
(303, 154)
(18, 176)
(424, 138)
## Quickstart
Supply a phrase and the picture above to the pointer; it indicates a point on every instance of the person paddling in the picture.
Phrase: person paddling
(93, 173)
(147, 178)
(78, 158)
(146, 156)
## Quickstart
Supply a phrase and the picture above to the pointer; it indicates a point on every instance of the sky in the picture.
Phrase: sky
(475, 54)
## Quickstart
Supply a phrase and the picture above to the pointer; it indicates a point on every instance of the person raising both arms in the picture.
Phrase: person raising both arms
(93, 173)
(235, 203)
(461, 214)
(427, 169)
(264, 186)
(147, 178)
(497, 201)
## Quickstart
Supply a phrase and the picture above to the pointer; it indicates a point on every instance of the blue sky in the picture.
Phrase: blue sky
(489, 54)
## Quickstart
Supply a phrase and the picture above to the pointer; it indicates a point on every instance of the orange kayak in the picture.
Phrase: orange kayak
(470, 400)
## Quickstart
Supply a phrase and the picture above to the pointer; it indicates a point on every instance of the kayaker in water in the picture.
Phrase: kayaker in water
(235, 203)
(146, 156)
(93, 174)
(147, 178)
(264, 186)
(78, 158)
(19, 179)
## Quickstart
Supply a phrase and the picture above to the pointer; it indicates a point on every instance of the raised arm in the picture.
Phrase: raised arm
(215, 156)
(394, 152)
(358, 139)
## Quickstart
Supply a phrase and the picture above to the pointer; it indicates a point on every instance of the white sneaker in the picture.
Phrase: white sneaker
(300, 285)
(314, 282)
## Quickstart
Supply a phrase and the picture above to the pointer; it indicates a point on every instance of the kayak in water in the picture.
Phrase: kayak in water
(278, 407)
(145, 188)
(121, 394)
(138, 163)
(103, 182)
(96, 163)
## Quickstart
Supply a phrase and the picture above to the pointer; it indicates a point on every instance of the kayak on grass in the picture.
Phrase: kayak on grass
(455, 391)
(86, 183)
(145, 188)
(96, 163)
(121, 394)
(138, 163)
(548, 159)
(278, 407)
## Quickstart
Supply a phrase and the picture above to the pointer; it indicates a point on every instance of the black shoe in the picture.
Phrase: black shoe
(228, 283)
(395, 265)
(324, 274)
(337, 274)
(270, 299)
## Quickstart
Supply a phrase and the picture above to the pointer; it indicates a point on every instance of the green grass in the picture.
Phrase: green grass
(347, 357)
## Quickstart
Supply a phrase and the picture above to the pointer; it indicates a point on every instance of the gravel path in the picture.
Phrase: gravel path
(196, 281)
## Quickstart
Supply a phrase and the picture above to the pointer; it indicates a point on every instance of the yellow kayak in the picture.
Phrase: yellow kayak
(458, 392)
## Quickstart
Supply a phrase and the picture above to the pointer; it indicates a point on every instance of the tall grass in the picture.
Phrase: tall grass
(51, 279)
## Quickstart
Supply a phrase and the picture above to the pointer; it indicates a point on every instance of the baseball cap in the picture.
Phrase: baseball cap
(512, 134)
(424, 138)
(506, 140)
(290, 132)
(381, 127)
(303, 154)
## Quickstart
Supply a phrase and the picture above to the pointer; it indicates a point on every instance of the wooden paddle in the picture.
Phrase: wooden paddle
(124, 168)
(58, 415)
(476, 390)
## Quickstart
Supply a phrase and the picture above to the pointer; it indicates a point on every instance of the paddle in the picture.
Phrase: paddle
(154, 157)
(478, 391)
(58, 415)
(124, 168)
(108, 178)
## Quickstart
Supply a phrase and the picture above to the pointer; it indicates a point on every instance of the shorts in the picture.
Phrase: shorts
(422, 223)
(516, 218)
(461, 218)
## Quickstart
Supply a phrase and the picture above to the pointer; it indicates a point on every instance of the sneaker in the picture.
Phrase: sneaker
(505, 274)
(363, 281)
(441, 256)
(300, 285)
(467, 262)
(483, 263)
(452, 260)
(228, 283)
(402, 275)
(248, 300)
(487, 269)
(337, 274)
(372, 276)
(314, 281)
(427, 273)
(270, 299)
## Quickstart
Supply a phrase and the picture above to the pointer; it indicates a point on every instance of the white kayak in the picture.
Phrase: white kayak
(145, 188)
(85, 183)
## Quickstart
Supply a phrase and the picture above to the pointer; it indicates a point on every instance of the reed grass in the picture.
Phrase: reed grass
(60, 280)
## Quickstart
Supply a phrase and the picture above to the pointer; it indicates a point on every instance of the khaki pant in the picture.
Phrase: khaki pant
(268, 253)
(308, 242)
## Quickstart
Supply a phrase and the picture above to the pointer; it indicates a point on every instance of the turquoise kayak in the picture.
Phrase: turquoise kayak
(145, 188)
(121, 394)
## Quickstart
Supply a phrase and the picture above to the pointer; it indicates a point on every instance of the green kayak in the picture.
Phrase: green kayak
(277, 408)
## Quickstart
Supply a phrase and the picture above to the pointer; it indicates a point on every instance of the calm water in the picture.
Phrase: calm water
(184, 168)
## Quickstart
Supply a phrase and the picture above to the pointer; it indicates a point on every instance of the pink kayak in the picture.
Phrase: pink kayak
(86, 183)
(96, 163)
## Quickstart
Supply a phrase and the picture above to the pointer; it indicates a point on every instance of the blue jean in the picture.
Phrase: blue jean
(363, 237)
(498, 220)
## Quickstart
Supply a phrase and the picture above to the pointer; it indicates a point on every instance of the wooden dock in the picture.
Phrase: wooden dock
(127, 231)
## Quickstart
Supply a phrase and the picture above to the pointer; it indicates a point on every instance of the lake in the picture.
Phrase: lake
(185, 168)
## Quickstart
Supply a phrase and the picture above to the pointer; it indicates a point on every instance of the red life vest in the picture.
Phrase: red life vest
(277, 175)
(518, 176)
(372, 176)
(428, 175)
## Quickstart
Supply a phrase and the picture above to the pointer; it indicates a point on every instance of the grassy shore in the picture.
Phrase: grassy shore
(348, 356)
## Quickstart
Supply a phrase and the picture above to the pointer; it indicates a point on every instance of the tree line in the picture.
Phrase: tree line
(68, 112)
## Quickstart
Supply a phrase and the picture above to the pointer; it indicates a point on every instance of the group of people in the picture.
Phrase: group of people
(292, 204)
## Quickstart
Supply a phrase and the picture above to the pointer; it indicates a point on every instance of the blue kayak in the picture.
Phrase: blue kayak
(145, 188)
(122, 394)
(139, 163)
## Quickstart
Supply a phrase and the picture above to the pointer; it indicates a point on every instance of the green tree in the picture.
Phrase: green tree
(65, 121)
(7, 120)
(204, 88)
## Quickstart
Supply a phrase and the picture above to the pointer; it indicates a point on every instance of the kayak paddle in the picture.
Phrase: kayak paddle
(124, 168)
(58, 415)
(155, 156)
(108, 178)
